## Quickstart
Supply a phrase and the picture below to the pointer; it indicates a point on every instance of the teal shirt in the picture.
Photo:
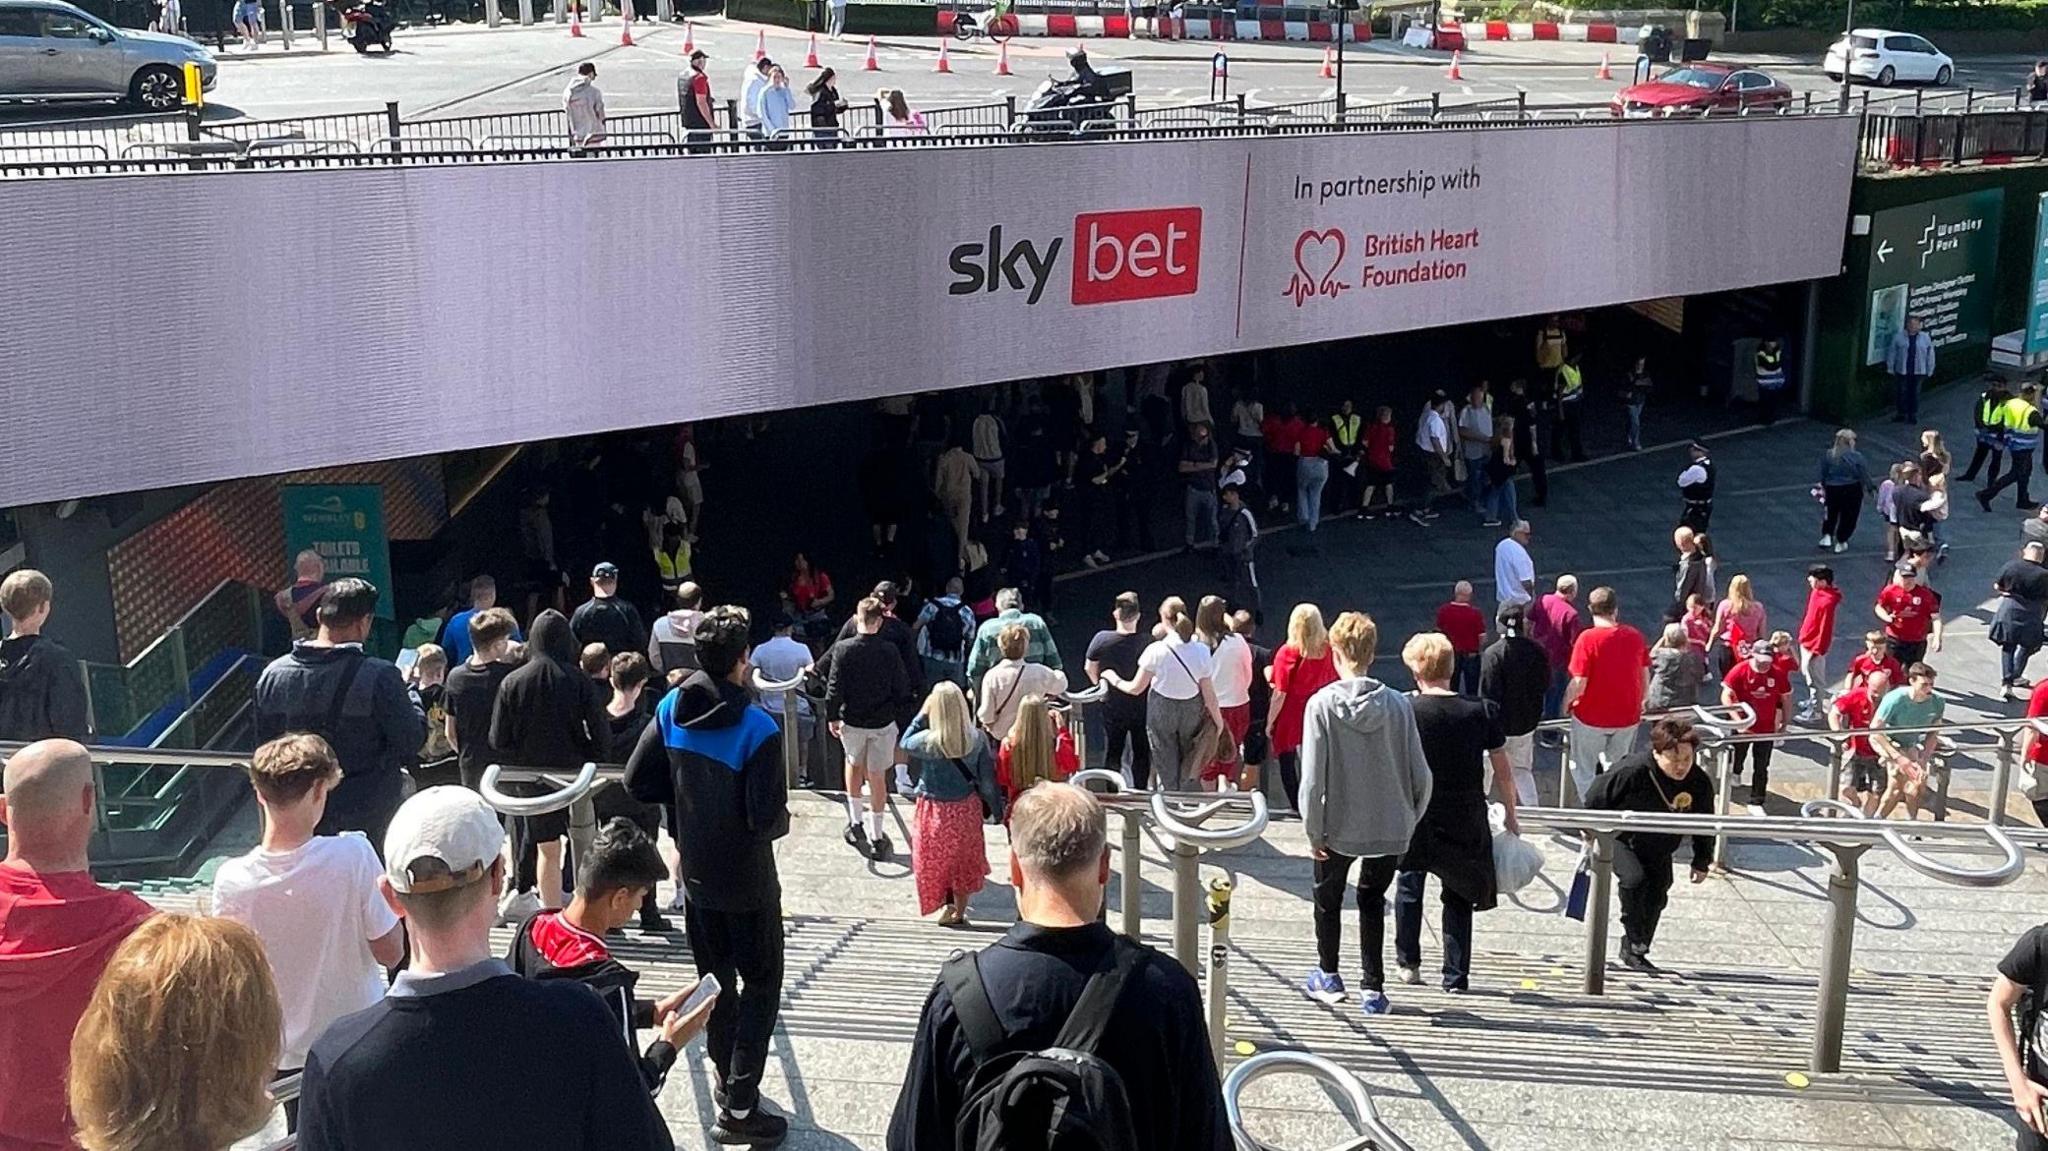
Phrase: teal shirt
(1897, 709)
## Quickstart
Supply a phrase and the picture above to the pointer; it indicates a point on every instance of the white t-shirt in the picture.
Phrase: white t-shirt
(1178, 678)
(316, 910)
(1233, 659)
(1432, 435)
(1511, 568)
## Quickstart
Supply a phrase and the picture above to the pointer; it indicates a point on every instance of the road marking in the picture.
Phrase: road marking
(1401, 91)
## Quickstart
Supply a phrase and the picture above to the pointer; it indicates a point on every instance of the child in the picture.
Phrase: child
(312, 899)
(1253, 753)
(1876, 653)
(1816, 636)
(1890, 514)
(1038, 748)
(1863, 777)
(1379, 460)
(1699, 623)
(622, 869)
(429, 677)
(1023, 561)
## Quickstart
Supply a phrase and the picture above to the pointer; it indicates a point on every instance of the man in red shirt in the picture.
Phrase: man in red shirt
(1762, 683)
(1911, 612)
(1466, 629)
(1555, 625)
(57, 930)
(1876, 654)
(1863, 776)
(1610, 670)
(1282, 433)
(2034, 751)
(1816, 636)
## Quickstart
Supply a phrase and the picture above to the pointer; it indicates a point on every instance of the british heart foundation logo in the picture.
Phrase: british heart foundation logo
(1318, 255)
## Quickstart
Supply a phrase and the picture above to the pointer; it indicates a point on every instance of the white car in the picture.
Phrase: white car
(1888, 57)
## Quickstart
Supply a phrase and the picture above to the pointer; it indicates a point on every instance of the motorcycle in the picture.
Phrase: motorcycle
(368, 23)
(1066, 104)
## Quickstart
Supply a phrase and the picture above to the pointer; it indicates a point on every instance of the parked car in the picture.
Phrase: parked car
(1703, 88)
(51, 51)
(1886, 57)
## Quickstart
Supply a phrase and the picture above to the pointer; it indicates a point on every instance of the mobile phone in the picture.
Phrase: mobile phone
(707, 988)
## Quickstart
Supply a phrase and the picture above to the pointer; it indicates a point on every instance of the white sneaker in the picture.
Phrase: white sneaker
(1412, 975)
(1827, 541)
(1840, 548)
(517, 905)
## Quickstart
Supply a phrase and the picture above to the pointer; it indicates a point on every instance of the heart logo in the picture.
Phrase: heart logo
(1317, 257)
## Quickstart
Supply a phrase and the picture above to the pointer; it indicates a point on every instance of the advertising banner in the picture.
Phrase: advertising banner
(1936, 260)
(2037, 297)
(345, 524)
(495, 303)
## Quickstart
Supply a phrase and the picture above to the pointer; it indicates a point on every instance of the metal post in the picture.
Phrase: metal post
(394, 127)
(582, 827)
(1216, 990)
(664, 10)
(1187, 908)
(491, 13)
(1133, 887)
(2001, 778)
(1566, 787)
(1597, 898)
(284, 22)
(792, 741)
(1343, 21)
(561, 12)
(320, 24)
(525, 13)
(1724, 795)
(1838, 940)
(1077, 723)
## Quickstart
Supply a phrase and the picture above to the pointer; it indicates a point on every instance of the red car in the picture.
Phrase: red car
(1699, 89)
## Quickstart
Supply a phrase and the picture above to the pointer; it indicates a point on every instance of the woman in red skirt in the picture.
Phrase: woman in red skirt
(956, 789)
(1233, 688)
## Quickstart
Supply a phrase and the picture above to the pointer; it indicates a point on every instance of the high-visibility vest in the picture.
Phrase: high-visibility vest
(1549, 347)
(1770, 369)
(1571, 382)
(675, 566)
(1988, 408)
(2022, 423)
(1346, 429)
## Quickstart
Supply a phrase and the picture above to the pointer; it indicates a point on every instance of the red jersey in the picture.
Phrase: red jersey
(1913, 610)
(1312, 440)
(1379, 447)
(1300, 677)
(1761, 690)
(1817, 629)
(1699, 628)
(2037, 705)
(1861, 667)
(1612, 660)
(1463, 624)
(1857, 709)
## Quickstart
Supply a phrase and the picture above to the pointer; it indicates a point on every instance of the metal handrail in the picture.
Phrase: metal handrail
(195, 705)
(1378, 1136)
(2008, 869)
(397, 143)
(1773, 828)
(166, 757)
(1186, 830)
(530, 806)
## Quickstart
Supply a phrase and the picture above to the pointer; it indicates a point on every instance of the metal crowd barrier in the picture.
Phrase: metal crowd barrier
(1715, 721)
(1827, 824)
(573, 795)
(1374, 1133)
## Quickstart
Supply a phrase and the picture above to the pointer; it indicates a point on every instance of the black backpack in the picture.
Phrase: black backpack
(1064, 1098)
(946, 635)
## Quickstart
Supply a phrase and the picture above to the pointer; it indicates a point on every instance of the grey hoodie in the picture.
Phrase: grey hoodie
(1364, 781)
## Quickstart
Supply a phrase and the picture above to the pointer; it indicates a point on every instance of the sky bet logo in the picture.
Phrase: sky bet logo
(1140, 255)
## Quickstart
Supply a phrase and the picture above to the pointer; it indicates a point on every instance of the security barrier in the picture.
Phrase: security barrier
(1374, 1132)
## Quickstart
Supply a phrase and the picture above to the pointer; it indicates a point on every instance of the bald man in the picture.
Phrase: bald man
(57, 930)
(1463, 624)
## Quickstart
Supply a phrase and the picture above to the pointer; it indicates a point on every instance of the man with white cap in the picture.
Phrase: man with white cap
(464, 1053)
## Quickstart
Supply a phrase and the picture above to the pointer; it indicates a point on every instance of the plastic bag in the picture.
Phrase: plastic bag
(1515, 860)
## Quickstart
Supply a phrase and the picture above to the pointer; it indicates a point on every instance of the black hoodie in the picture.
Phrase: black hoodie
(715, 759)
(42, 691)
(548, 713)
(547, 947)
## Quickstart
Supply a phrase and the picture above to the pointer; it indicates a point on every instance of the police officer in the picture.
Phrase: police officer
(1770, 379)
(2021, 419)
(1696, 489)
(1990, 427)
(1345, 428)
(1571, 397)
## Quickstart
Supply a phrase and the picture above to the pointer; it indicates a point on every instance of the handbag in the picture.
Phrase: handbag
(1582, 886)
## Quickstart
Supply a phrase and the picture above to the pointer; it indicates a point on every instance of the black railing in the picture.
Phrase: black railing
(1946, 139)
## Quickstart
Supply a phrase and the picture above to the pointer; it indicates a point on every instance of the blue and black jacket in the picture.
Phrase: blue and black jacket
(714, 759)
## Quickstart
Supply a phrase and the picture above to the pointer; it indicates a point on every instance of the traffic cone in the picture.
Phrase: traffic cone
(871, 65)
(1329, 70)
(576, 21)
(760, 45)
(1003, 60)
(1453, 73)
(944, 65)
(689, 38)
(1606, 68)
(811, 55)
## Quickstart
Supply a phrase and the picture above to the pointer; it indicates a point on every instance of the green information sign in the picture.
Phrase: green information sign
(2037, 296)
(345, 524)
(1935, 260)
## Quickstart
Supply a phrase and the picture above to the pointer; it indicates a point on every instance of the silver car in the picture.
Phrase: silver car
(52, 51)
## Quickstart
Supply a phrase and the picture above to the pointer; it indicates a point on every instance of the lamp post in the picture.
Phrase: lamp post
(1344, 10)
(1848, 52)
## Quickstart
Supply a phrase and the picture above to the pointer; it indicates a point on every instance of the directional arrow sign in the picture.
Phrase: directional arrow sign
(1947, 257)
(1884, 248)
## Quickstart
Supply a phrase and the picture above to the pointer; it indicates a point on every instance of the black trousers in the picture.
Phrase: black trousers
(2021, 473)
(1290, 777)
(744, 949)
(1645, 885)
(1696, 514)
(1569, 443)
(1117, 729)
(1761, 754)
(1539, 477)
(1841, 506)
(1994, 453)
(1332, 876)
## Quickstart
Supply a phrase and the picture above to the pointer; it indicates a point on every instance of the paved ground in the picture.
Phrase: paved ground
(1700, 1058)
(469, 69)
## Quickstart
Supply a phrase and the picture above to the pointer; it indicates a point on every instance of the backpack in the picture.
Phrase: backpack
(1064, 1098)
(946, 635)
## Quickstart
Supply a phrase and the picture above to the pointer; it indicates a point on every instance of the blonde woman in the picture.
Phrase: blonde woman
(1934, 457)
(1300, 668)
(956, 788)
(1039, 749)
(1843, 479)
(1182, 717)
(1738, 623)
(178, 1044)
